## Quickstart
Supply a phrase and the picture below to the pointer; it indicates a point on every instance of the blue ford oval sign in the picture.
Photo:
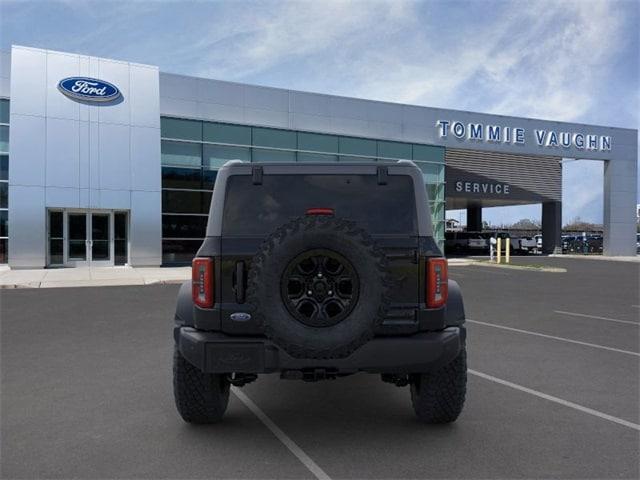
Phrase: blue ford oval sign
(89, 89)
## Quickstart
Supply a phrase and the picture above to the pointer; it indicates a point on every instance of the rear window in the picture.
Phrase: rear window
(259, 209)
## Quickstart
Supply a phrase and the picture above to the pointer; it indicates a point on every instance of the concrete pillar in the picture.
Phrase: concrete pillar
(552, 227)
(620, 195)
(474, 218)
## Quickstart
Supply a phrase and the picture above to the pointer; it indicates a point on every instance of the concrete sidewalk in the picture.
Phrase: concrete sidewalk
(91, 277)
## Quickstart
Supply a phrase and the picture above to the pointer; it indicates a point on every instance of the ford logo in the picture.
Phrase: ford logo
(240, 317)
(89, 89)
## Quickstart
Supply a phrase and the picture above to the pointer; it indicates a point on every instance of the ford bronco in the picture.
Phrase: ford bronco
(319, 271)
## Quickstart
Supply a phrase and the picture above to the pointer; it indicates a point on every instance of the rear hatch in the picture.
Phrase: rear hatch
(253, 210)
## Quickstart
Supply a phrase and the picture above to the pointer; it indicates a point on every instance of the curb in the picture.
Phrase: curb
(89, 284)
(521, 267)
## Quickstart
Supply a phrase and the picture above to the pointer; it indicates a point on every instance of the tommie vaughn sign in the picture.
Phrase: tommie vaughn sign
(88, 89)
(478, 132)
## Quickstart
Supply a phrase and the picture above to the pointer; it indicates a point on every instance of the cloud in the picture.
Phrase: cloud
(570, 60)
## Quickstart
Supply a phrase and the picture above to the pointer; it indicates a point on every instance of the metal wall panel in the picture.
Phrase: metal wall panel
(82, 155)
(27, 140)
(59, 66)
(62, 165)
(27, 223)
(5, 73)
(146, 228)
(28, 82)
(115, 158)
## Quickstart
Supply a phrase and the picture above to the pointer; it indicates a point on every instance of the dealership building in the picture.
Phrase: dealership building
(108, 162)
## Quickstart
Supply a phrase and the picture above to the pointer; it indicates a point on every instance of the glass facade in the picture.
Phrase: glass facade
(192, 151)
(4, 180)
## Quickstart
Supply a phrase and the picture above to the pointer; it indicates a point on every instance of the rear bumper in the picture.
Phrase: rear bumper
(215, 352)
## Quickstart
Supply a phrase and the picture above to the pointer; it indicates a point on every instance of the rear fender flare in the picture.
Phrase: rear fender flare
(184, 306)
(454, 310)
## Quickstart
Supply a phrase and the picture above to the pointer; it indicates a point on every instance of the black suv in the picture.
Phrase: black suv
(318, 271)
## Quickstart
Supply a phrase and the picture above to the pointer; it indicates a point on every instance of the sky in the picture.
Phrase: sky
(558, 60)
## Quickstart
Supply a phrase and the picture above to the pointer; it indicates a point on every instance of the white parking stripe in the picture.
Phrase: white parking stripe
(551, 398)
(280, 435)
(596, 317)
(562, 339)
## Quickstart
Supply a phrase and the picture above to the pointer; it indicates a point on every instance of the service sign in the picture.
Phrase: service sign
(88, 89)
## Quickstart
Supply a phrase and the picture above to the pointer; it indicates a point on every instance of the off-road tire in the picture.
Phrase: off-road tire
(301, 235)
(438, 396)
(200, 397)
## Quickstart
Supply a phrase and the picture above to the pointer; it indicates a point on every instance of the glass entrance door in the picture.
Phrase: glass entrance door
(87, 238)
(77, 240)
(100, 242)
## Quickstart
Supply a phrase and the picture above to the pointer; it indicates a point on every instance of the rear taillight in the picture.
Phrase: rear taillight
(202, 282)
(437, 282)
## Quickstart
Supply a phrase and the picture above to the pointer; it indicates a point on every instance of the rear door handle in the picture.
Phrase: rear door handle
(240, 282)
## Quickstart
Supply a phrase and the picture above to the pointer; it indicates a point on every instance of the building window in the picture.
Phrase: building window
(181, 129)
(181, 153)
(264, 155)
(394, 150)
(178, 252)
(178, 177)
(224, 133)
(185, 201)
(193, 151)
(4, 181)
(120, 238)
(4, 111)
(184, 226)
(56, 237)
(4, 195)
(358, 146)
(316, 157)
(4, 168)
(274, 138)
(315, 142)
(4, 138)
(215, 156)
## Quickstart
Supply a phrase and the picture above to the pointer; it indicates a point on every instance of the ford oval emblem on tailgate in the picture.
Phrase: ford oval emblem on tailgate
(240, 317)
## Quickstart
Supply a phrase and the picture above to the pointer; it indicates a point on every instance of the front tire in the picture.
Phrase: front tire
(438, 396)
(200, 397)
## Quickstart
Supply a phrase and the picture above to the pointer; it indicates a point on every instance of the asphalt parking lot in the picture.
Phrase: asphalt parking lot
(553, 391)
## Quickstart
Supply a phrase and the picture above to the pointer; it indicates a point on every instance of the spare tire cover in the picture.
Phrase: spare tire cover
(319, 286)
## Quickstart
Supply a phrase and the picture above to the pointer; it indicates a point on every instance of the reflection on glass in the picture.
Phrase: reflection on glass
(77, 236)
(4, 228)
(100, 237)
(120, 238)
(55, 252)
(4, 167)
(3, 250)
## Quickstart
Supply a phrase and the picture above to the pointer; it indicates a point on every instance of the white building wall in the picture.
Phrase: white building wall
(71, 154)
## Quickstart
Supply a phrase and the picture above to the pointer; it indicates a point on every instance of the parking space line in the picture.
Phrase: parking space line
(280, 435)
(596, 317)
(562, 339)
(560, 401)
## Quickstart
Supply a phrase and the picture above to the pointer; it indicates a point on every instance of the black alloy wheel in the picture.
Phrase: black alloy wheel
(320, 288)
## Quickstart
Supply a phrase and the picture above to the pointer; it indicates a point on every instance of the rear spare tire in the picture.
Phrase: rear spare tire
(319, 287)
